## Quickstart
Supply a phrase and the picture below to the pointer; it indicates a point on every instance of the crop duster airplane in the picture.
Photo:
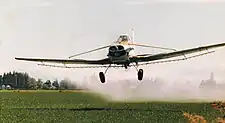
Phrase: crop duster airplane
(120, 54)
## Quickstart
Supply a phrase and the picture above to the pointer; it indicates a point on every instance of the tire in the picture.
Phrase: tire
(140, 74)
(102, 77)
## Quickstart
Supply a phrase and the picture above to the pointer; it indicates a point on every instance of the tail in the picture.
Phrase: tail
(132, 41)
(132, 30)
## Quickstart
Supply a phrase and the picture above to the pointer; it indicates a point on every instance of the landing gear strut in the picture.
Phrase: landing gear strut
(126, 66)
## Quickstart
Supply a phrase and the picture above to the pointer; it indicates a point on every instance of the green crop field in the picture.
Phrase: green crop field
(79, 107)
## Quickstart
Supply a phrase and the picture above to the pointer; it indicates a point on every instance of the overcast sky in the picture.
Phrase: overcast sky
(60, 28)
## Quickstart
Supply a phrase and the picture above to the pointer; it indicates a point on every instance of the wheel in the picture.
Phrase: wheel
(140, 74)
(102, 77)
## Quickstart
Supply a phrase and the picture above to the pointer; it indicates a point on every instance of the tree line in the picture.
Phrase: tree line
(19, 80)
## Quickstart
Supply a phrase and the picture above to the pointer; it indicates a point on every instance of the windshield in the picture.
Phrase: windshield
(123, 38)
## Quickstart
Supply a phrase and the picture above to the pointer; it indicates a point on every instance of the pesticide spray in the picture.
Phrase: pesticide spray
(129, 89)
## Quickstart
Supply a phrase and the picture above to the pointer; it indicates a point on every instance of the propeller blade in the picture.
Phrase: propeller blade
(90, 51)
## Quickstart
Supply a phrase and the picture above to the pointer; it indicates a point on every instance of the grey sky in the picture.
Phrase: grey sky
(60, 28)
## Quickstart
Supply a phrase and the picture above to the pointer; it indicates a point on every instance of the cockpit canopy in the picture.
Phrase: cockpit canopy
(123, 38)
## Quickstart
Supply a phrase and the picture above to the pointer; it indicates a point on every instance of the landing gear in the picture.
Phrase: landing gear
(140, 74)
(102, 75)
(125, 66)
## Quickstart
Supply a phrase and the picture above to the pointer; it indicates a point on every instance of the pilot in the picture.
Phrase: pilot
(124, 38)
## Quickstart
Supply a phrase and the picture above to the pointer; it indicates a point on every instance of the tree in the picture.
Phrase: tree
(26, 79)
(55, 84)
(39, 84)
(45, 86)
(67, 84)
(18, 80)
(63, 84)
(48, 83)
(32, 84)
(1, 80)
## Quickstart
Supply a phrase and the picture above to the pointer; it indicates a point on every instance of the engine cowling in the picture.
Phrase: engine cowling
(116, 51)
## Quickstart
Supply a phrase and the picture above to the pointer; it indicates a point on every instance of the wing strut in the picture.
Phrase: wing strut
(108, 68)
(156, 47)
(90, 51)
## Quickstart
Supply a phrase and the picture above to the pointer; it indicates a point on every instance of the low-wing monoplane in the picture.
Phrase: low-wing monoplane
(120, 55)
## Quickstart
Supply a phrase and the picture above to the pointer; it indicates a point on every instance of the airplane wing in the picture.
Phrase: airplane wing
(138, 58)
(161, 56)
(68, 61)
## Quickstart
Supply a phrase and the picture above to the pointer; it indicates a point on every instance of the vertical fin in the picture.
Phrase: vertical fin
(132, 41)
(132, 30)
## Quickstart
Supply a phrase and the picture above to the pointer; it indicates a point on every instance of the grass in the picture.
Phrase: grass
(79, 107)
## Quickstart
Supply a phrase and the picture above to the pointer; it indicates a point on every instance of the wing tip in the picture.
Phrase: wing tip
(17, 58)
